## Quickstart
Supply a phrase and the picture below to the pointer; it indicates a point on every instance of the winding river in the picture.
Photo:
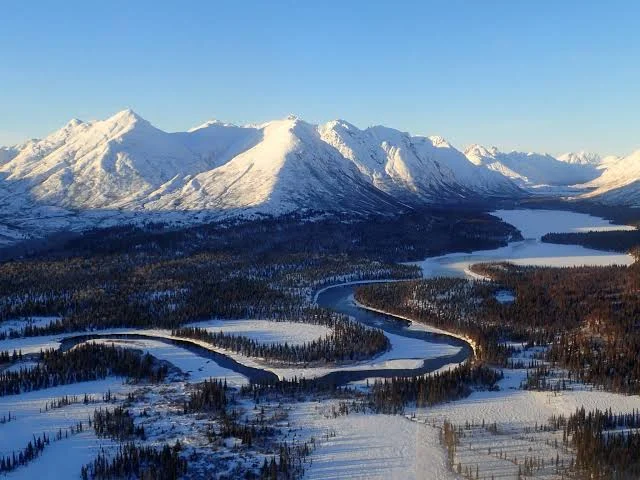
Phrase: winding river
(532, 223)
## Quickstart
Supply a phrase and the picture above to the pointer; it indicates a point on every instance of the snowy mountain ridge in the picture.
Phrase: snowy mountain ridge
(619, 183)
(122, 168)
(531, 169)
(581, 158)
(124, 162)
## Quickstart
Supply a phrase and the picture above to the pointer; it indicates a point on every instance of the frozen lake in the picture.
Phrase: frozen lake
(533, 224)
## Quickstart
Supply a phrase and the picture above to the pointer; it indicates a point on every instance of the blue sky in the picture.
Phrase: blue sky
(546, 75)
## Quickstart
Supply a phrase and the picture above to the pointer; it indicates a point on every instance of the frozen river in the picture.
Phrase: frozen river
(533, 224)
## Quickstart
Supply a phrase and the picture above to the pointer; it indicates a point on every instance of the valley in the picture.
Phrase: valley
(319, 240)
(318, 408)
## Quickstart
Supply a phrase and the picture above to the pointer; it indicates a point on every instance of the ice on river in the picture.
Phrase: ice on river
(531, 251)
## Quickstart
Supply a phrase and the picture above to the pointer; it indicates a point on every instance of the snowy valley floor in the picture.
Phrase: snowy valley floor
(352, 446)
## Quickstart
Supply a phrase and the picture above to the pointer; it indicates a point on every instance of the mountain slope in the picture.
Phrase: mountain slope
(407, 166)
(530, 169)
(581, 158)
(619, 184)
(288, 169)
(106, 164)
(124, 164)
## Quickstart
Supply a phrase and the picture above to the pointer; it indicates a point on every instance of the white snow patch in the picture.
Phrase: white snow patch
(266, 331)
(18, 324)
(371, 446)
(198, 368)
(536, 223)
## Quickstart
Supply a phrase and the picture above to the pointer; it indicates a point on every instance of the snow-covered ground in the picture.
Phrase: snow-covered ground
(380, 446)
(404, 353)
(62, 458)
(353, 446)
(31, 344)
(31, 418)
(18, 324)
(370, 446)
(197, 367)
(44, 342)
(516, 414)
(531, 251)
(266, 331)
(515, 407)
(511, 408)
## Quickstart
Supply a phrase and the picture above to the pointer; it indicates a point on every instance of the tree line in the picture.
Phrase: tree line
(116, 423)
(348, 341)
(84, 363)
(616, 240)
(137, 461)
(392, 395)
(606, 444)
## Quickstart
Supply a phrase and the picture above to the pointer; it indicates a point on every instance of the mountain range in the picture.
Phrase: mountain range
(124, 168)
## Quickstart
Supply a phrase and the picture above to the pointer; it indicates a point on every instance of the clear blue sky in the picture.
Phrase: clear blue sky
(532, 75)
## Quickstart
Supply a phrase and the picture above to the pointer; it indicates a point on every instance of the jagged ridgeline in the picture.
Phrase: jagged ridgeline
(219, 171)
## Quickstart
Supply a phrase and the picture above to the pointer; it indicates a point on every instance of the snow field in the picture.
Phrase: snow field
(31, 418)
(61, 458)
(64, 458)
(266, 331)
(18, 324)
(370, 446)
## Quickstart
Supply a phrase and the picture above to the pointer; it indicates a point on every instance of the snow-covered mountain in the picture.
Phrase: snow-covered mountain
(7, 153)
(531, 169)
(581, 158)
(124, 168)
(124, 164)
(619, 183)
(407, 166)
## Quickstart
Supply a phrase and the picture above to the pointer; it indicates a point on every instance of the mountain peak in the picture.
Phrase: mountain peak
(339, 122)
(476, 147)
(439, 141)
(74, 122)
(126, 116)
